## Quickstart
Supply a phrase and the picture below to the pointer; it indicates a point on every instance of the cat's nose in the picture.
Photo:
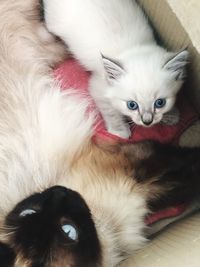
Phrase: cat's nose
(147, 118)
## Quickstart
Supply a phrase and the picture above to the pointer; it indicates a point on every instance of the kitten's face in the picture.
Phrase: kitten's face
(145, 89)
(53, 229)
(144, 101)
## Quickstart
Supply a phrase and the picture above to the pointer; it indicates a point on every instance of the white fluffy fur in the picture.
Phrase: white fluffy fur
(43, 129)
(119, 30)
(36, 118)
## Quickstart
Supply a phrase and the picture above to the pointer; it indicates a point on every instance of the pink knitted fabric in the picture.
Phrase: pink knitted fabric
(71, 74)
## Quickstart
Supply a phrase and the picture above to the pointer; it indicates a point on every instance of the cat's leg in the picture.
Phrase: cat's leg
(172, 117)
(191, 136)
(116, 125)
(169, 175)
(113, 119)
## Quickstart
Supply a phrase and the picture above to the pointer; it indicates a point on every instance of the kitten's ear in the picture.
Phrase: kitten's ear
(113, 68)
(177, 64)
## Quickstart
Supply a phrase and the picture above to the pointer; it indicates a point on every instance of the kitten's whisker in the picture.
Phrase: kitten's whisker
(131, 123)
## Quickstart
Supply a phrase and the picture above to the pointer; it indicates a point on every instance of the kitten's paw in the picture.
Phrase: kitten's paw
(172, 117)
(123, 132)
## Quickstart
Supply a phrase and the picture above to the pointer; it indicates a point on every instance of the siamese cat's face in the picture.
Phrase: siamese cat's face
(52, 229)
(142, 86)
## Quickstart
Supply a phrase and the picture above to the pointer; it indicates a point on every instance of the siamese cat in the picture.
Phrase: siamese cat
(132, 76)
(103, 223)
(96, 215)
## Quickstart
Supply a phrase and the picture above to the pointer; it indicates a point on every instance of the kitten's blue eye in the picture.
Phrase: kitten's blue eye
(159, 103)
(71, 231)
(132, 105)
(27, 212)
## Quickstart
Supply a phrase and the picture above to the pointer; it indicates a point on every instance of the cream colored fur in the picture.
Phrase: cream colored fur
(45, 137)
(116, 201)
(36, 118)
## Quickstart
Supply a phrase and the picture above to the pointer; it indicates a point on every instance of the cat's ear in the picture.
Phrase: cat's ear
(113, 69)
(177, 64)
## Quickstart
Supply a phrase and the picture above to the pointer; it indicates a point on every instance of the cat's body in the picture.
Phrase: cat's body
(105, 223)
(130, 71)
(33, 111)
(45, 140)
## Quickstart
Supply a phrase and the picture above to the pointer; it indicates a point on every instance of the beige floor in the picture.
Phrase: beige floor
(176, 246)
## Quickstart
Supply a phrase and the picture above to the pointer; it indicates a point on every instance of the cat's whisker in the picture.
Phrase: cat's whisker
(6, 234)
(51, 256)
(8, 228)
(131, 123)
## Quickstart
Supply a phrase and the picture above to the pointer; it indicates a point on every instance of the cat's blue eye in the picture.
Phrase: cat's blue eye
(159, 103)
(27, 212)
(132, 105)
(70, 231)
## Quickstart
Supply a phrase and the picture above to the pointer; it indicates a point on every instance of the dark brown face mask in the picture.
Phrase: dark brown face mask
(7, 256)
(52, 228)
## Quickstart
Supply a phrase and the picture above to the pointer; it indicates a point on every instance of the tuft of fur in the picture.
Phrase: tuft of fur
(114, 40)
(36, 118)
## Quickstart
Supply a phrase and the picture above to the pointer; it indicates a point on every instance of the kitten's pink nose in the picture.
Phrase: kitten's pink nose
(147, 118)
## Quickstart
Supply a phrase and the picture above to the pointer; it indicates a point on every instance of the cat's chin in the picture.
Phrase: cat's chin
(142, 124)
(147, 126)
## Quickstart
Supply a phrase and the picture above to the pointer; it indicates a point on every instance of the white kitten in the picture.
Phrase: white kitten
(132, 75)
